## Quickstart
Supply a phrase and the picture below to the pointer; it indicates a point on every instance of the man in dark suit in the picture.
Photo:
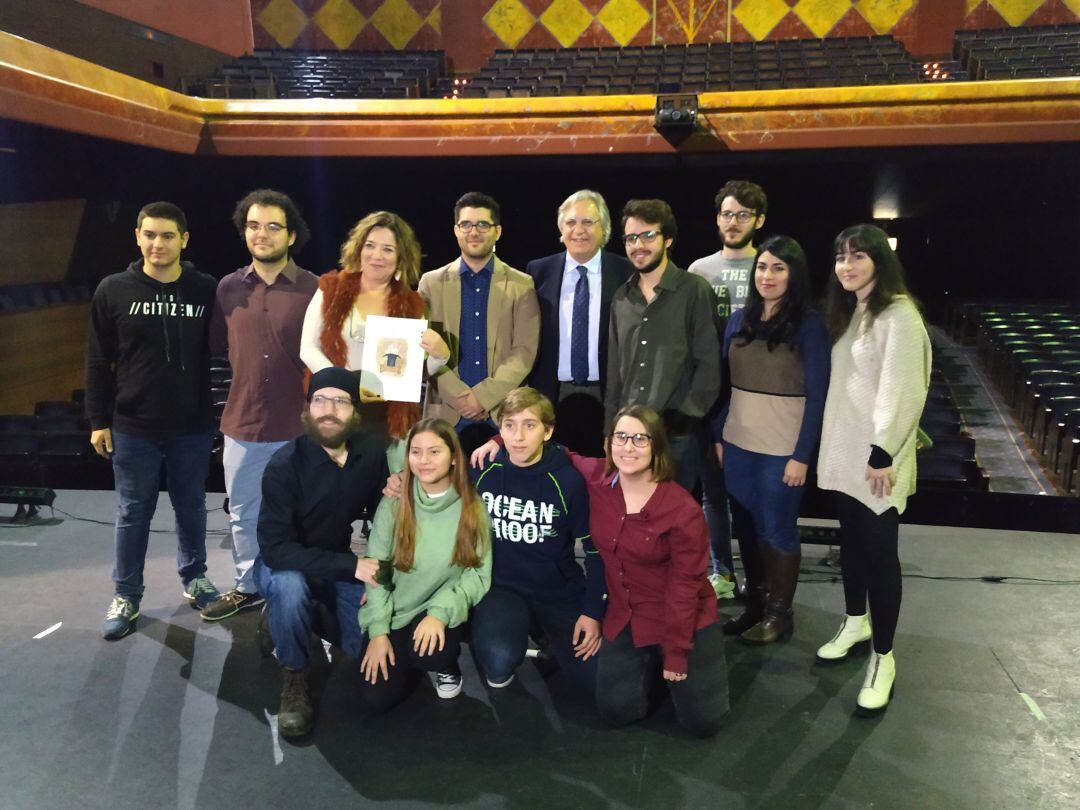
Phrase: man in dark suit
(574, 288)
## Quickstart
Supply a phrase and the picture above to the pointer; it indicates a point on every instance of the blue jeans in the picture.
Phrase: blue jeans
(695, 465)
(244, 463)
(292, 599)
(136, 464)
(500, 634)
(757, 484)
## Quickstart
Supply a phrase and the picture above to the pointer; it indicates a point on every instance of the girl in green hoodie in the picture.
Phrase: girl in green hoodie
(437, 538)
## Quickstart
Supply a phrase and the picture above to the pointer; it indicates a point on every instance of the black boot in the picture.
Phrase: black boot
(296, 715)
(779, 621)
(754, 599)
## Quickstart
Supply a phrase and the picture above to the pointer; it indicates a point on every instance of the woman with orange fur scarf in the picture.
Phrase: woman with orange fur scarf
(380, 264)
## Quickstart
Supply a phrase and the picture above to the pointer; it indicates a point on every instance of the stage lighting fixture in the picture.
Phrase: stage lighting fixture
(676, 112)
(27, 500)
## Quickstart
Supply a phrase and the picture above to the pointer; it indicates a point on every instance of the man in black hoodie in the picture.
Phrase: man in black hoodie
(148, 402)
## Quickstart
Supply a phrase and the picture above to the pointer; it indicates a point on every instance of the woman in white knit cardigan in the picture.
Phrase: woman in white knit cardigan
(880, 376)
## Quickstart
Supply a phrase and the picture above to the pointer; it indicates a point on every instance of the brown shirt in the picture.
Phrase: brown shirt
(261, 326)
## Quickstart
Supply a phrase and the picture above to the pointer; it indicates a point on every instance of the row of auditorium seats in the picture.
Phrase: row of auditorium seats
(842, 61)
(18, 297)
(1031, 353)
(950, 462)
(51, 447)
(1026, 52)
(1032, 52)
(315, 74)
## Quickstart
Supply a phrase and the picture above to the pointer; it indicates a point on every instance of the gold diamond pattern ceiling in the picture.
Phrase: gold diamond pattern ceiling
(417, 24)
(348, 24)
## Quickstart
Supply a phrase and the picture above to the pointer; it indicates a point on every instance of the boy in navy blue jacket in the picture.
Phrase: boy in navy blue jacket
(539, 510)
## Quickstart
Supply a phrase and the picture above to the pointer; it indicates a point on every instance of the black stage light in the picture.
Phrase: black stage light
(676, 112)
(27, 501)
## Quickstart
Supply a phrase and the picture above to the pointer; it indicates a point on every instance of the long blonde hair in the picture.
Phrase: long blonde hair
(408, 248)
(471, 531)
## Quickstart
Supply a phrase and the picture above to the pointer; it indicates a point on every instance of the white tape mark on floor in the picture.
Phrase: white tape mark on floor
(271, 719)
(48, 630)
(1031, 704)
(24, 543)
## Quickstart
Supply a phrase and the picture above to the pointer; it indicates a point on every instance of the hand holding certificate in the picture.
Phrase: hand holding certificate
(392, 365)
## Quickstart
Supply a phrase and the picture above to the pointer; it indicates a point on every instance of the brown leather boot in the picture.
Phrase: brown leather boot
(779, 621)
(296, 715)
(754, 599)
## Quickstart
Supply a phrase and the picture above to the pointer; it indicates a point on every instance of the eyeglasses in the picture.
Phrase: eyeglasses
(742, 216)
(483, 226)
(639, 439)
(573, 223)
(648, 237)
(271, 227)
(340, 403)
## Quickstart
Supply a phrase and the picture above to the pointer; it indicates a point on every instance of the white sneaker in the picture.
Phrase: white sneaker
(724, 586)
(877, 686)
(500, 684)
(447, 684)
(853, 630)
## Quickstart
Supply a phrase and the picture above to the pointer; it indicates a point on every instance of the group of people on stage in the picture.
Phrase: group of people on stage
(575, 405)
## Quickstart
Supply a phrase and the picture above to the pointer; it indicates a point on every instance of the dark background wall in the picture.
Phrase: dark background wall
(988, 221)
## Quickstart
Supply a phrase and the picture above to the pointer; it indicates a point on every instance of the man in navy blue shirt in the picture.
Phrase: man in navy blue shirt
(488, 315)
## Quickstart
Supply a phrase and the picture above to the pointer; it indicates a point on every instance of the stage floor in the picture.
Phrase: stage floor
(180, 714)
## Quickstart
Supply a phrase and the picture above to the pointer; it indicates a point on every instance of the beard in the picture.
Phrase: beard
(333, 439)
(741, 242)
(274, 258)
(654, 263)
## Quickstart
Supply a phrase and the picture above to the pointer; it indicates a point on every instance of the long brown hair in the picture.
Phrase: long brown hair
(662, 463)
(472, 534)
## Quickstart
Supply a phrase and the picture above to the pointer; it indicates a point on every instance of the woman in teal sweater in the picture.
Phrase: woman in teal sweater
(437, 541)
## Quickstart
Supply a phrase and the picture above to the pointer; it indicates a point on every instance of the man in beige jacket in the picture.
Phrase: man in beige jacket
(489, 316)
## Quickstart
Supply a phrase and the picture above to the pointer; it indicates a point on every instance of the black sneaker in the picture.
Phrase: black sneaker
(229, 604)
(120, 618)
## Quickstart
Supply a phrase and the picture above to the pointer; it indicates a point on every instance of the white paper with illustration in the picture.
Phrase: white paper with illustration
(392, 365)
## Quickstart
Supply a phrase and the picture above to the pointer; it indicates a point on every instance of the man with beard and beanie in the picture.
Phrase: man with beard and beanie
(148, 403)
(313, 489)
(740, 214)
(259, 316)
(663, 350)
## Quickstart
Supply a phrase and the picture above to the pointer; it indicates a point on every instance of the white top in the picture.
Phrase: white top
(566, 316)
(352, 330)
(877, 390)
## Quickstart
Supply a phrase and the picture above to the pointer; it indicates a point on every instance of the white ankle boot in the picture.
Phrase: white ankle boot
(877, 686)
(853, 630)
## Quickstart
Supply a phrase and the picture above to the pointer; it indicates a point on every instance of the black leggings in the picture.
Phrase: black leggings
(871, 566)
(626, 675)
(386, 693)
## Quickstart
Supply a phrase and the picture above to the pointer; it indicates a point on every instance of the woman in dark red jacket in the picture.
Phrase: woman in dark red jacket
(661, 613)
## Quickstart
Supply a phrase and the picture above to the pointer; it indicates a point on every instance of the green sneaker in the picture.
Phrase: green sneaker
(723, 585)
(200, 592)
(120, 618)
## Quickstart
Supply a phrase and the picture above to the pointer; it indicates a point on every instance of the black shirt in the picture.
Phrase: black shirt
(309, 505)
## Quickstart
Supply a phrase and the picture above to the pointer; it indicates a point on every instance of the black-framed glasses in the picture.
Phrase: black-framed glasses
(639, 439)
(339, 403)
(483, 226)
(648, 237)
(742, 217)
(271, 227)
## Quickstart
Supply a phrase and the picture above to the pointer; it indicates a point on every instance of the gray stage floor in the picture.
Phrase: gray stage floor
(986, 712)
